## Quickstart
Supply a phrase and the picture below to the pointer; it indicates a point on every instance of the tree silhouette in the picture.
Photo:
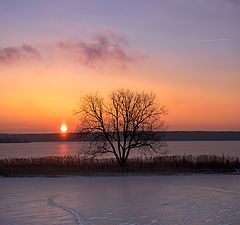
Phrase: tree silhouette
(123, 121)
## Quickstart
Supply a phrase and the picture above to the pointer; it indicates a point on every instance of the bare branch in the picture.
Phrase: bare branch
(127, 120)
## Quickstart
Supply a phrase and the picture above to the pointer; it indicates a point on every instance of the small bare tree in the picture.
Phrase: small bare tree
(126, 120)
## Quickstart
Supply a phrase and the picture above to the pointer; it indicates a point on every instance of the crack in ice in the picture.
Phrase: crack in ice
(76, 214)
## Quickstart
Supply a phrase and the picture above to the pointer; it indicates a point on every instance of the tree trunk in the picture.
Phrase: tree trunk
(122, 165)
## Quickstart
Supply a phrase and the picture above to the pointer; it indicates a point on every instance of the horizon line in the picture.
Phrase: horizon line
(39, 133)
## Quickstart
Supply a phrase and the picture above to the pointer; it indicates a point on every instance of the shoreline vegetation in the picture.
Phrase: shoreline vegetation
(77, 165)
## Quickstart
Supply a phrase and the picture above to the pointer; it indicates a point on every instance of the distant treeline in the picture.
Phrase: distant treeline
(12, 139)
(168, 136)
(75, 165)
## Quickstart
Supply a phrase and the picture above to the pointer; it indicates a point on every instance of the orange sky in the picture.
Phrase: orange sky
(39, 100)
(187, 53)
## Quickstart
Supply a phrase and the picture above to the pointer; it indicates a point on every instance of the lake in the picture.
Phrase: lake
(37, 149)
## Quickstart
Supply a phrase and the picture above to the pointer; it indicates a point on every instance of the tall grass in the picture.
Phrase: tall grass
(76, 165)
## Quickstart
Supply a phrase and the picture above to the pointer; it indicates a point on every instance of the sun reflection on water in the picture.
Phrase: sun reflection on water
(63, 148)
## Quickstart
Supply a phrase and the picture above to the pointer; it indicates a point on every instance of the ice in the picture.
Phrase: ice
(77, 215)
(223, 210)
(125, 200)
(208, 220)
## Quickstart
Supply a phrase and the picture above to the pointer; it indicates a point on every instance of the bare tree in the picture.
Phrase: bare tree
(124, 121)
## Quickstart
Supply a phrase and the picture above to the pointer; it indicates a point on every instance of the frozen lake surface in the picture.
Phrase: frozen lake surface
(139, 200)
(36, 149)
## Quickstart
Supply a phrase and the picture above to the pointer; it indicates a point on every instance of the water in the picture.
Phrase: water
(37, 149)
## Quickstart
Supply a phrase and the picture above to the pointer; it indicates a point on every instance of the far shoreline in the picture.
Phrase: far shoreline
(167, 136)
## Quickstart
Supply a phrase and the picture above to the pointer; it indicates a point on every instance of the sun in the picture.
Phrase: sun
(64, 128)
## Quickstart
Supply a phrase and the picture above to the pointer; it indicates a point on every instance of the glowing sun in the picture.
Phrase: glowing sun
(64, 128)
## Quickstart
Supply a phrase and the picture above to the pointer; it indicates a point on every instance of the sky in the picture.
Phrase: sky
(54, 52)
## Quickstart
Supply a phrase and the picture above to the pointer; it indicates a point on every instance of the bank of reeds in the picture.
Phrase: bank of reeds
(75, 165)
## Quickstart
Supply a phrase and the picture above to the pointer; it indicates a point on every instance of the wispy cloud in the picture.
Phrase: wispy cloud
(225, 2)
(215, 40)
(219, 5)
(10, 55)
(105, 47)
